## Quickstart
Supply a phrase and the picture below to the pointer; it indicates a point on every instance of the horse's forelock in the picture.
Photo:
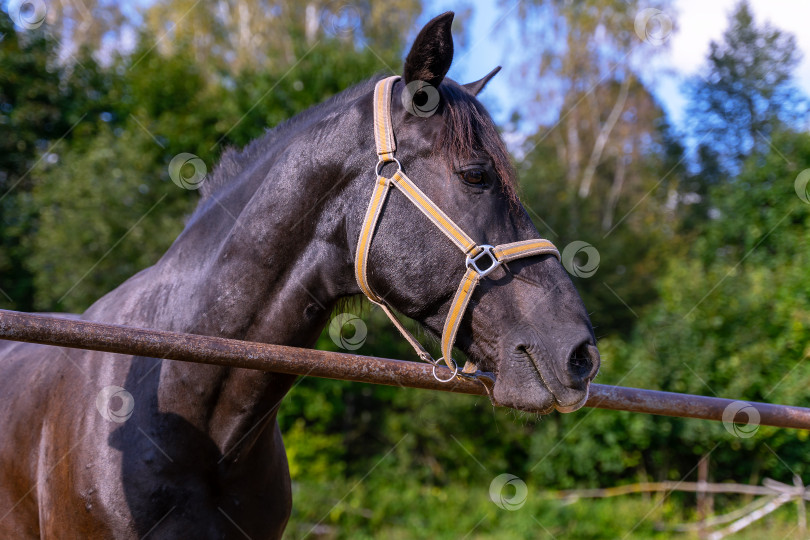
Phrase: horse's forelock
(469, 130)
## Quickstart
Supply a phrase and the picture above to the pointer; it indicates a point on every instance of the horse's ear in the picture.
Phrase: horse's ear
(475, 87)
(432, 52)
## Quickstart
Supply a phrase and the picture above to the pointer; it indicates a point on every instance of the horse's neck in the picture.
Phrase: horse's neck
(264, 259)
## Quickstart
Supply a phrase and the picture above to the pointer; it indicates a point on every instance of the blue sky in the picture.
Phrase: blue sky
(699, 22)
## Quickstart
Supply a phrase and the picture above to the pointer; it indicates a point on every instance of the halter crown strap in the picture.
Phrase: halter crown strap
(480, 259)
(383, 134)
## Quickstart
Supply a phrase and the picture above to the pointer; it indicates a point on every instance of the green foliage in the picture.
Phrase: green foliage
(740, 329)
(41, 104)
(390, 504)
(636, 243)
(104, 213)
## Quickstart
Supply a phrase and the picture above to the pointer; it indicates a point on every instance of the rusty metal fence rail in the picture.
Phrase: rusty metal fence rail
(79, 334)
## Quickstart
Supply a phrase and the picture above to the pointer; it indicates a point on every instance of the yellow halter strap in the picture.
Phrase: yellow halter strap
(480, 259)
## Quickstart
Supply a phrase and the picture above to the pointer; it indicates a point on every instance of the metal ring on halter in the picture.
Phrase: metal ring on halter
(453, 376)
(389, 160)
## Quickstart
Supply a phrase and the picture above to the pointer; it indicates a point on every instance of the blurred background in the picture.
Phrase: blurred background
(671, 137)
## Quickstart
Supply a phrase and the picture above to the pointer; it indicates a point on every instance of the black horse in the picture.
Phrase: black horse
(196, 451)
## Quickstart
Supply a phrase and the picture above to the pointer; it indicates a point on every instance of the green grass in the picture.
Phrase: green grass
(393, 507)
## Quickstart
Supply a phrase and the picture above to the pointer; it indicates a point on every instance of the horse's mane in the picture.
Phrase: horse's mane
(468, 129)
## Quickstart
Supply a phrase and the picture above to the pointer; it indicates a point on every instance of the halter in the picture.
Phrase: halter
(479, 261)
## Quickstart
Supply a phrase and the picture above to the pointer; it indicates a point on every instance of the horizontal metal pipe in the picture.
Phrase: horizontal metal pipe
(80, 334)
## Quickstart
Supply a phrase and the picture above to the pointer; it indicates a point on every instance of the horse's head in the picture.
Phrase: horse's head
(525, 321)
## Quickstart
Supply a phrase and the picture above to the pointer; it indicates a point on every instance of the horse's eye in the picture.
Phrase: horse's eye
(473, 176)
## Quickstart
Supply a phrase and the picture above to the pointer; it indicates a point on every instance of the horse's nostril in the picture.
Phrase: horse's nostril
(580, 364)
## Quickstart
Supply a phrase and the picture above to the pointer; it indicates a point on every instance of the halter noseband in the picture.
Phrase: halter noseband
(480, 259)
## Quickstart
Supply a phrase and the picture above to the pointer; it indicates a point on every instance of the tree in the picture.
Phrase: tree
(746, 89)
(604, 166)
(43, 106)
(268, 34)
(587, 74)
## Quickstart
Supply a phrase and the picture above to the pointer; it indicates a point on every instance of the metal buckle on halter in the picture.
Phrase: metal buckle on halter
(472, 261)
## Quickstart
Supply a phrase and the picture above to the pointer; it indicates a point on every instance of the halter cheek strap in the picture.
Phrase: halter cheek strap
(480, 260)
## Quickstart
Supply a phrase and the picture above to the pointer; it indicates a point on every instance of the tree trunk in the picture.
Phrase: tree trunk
(602, 138)
(615, 191)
